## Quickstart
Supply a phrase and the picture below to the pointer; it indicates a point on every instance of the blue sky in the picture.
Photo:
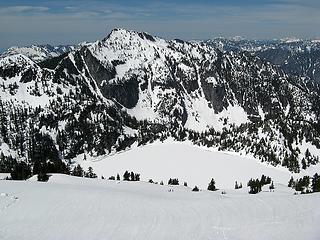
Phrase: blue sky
(72, 21)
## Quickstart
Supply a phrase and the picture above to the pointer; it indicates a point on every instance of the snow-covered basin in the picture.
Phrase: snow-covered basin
(78, 208)
(193, 164)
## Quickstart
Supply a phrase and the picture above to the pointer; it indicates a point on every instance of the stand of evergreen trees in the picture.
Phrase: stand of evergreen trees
(256, 184)
(79, 172)
(90, 173)
(306, 184)
(173, 181)
(127, 176)
(237, 186)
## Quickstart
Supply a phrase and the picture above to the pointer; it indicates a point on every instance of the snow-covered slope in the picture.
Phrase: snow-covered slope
(76, 208)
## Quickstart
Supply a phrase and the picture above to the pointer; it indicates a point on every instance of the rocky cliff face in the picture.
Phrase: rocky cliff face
(131, 88)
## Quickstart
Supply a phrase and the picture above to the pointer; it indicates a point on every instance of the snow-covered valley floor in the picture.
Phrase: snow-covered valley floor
(189, 163)
(80, 208)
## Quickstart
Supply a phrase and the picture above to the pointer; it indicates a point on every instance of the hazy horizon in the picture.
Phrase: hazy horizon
(70, 22)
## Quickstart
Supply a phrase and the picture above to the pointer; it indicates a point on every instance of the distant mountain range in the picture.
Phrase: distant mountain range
(294, 56)
(131, 88)
(39, 53)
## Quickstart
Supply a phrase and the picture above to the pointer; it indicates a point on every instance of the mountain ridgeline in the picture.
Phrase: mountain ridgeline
(39, 53)
(132, 88)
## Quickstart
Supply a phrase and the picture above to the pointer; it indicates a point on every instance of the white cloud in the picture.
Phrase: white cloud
(70, 8)
(22, 9)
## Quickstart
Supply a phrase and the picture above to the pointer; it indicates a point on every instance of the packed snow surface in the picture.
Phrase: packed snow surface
(187, 162)
(79, 208)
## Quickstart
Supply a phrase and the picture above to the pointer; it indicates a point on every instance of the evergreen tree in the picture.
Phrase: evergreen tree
(118, 177)
(195, 189)
(43, 177)
(302, 184)
(263, 180)
(78, 171)
(271, 187)
(255, 186)
(126, 176)
(21, 171)
(137, 177)
(211, 186)
(304, 163)
(291, 182)
(90, 173)
(316, 183)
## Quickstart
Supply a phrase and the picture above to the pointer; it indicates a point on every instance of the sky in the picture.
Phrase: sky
(27, 22)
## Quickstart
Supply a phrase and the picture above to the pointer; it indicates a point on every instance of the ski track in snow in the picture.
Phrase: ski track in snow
(6, 200)
(79, 208)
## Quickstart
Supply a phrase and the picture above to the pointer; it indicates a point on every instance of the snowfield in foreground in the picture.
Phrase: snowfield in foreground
(190, 163)
(78, 208)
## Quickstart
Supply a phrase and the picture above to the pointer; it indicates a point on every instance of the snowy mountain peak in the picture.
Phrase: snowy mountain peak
(125, 34)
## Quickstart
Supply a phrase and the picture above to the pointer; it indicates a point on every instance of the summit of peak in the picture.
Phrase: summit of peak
(121, 32)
